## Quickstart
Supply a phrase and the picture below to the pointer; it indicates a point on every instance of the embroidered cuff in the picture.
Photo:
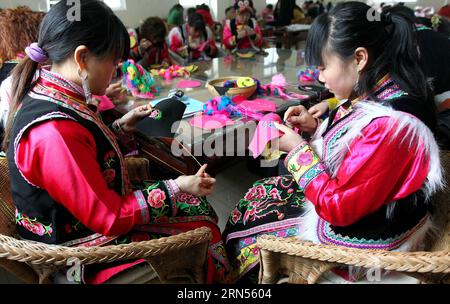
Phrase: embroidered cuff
(304, 164)
(173, 188)
(142, 206)
(174, 191)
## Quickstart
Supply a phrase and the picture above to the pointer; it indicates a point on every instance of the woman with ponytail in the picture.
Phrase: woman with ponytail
(365, 177)
(68, 176)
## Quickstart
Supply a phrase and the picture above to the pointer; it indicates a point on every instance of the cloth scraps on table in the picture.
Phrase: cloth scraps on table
(174, 71)
(257, 105)
(208, 122)
(188, 84)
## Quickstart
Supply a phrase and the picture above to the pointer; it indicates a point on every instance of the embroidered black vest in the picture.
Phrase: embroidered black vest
(38, 216)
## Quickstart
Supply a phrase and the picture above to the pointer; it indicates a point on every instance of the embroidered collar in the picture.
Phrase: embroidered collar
(387, 89)
(70, 93)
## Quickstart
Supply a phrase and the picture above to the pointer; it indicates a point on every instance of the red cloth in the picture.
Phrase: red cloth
(72, 175)
(368, 177)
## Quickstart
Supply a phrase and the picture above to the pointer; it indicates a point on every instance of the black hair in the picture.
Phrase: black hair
(269, 6)
(228, 9)
(153, 27)
(176, 7)
(196, 21)
(99, 29)
(203, 6)
(390, 42)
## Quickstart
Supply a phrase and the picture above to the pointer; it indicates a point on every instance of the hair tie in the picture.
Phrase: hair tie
(36, 53)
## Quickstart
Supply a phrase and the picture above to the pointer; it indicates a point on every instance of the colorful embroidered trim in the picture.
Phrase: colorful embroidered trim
(387, 89)
(305, 165)
(327, 236)
(145, 213)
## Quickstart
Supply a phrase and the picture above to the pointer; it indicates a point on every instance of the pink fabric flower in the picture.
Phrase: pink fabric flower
(156, 198)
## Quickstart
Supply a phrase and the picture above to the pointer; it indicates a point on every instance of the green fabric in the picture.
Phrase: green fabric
(175, 18)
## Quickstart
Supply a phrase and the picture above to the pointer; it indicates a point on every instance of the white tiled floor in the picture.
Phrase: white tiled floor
(232, 184)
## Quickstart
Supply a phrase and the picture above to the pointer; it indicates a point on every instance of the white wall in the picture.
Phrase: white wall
(137, 10)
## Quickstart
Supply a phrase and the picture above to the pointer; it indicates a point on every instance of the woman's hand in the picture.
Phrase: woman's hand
(129, 120)
(319, 109)
(289, 140)
(299, 117)
(144, 46)
(114, 91)
(200, 184)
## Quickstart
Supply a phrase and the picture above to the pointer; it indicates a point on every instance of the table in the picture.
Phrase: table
(219, 147)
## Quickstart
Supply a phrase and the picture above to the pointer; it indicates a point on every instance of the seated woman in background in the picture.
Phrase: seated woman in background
(242, 33)
(18, 28)
(69, 181)
(194, 40)
(151, 47)
(344, 186)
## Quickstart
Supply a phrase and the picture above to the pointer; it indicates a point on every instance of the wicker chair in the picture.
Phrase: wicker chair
(176, 259)
(299, 262)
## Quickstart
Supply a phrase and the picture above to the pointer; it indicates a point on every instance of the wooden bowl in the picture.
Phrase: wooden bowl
(216, 88)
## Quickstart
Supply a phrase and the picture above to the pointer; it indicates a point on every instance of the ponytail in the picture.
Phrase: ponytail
(22, 78)
(401, 55)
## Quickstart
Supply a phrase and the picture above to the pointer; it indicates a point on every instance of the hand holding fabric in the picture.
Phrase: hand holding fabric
(129, 120)
(299, 117)
(289, 140)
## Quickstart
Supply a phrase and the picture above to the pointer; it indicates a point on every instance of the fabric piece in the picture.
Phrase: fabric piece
(213, 122)
(185, 84)
(265, 132)
(105, 103)
(262, 105)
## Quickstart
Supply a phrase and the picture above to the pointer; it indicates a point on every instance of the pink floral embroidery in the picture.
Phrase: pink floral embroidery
(275, 194)
(235, 216)
(109, 175)
(194, 201)
(290, 191)
(305, 158)
(32, 225)
(156, 198)
(251, 211)
(109, 155)
(257, 192)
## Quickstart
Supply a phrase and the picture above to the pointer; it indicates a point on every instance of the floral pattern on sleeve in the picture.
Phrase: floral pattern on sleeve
(33, 225)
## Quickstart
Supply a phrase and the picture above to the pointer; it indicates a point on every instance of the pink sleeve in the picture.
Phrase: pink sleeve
(175, 39)
(368, 177)
(228, 39)
(72, 177)
(259, 37)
